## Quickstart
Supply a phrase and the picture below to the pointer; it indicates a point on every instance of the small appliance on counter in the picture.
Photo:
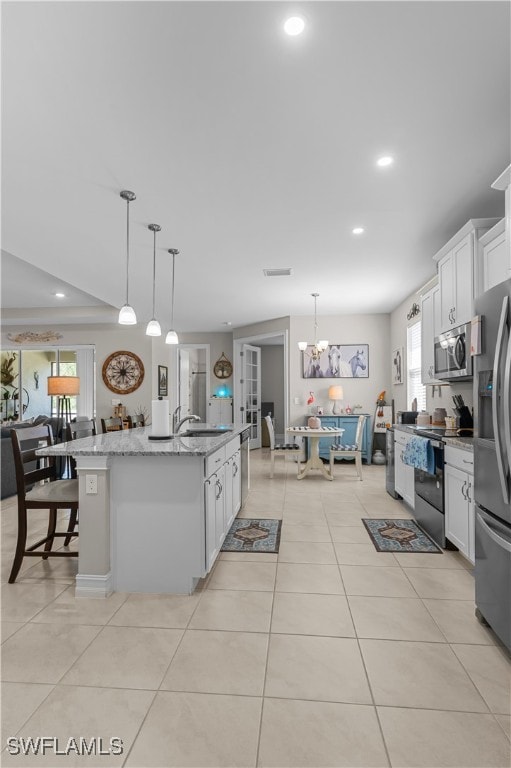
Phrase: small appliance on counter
(406, 417)
(423, 419)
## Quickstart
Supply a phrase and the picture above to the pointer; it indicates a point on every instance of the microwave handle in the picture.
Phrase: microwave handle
(495, 400)
(459, 353)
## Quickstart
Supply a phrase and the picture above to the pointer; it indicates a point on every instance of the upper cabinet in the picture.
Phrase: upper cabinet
(458, 273)
(496, 243)
(430, 314)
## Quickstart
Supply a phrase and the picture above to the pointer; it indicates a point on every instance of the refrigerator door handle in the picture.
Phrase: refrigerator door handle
(495, 400)
(494, 536)
(507, 403)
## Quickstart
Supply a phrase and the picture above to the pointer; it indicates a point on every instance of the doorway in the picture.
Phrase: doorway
(273, 387)
(193, 379)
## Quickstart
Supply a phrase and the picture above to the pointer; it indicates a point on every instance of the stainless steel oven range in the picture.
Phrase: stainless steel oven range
(429, 493)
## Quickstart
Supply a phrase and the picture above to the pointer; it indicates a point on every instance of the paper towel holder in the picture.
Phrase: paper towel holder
(160, 437)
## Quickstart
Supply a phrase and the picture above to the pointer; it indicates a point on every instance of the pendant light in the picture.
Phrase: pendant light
(127, 314)
(172, 337)
(319, 346)
(153, 326)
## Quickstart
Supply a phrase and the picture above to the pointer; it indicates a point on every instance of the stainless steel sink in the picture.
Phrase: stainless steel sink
(203, 432)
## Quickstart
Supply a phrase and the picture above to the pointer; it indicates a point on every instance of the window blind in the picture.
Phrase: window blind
(415, 389)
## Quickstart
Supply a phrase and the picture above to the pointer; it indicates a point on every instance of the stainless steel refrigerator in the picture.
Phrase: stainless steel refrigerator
(492, 461)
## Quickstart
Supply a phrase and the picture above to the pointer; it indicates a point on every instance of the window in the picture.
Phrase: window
(415, 388)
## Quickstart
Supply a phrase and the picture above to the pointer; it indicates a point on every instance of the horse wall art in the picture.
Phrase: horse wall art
(338, 361)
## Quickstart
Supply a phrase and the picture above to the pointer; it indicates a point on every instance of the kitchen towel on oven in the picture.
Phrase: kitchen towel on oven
(419, 453)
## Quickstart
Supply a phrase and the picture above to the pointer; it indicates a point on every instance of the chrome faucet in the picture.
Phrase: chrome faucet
(180, 423)
(175, 419)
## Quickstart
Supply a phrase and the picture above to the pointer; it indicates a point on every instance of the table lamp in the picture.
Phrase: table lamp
(336, 394)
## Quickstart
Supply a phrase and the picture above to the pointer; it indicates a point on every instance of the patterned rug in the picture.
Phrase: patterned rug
(399, 536)
(247, 535)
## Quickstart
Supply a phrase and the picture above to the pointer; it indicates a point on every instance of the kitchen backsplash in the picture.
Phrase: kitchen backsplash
(442, 397)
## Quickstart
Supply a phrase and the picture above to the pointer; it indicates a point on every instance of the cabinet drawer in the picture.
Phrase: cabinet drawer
(457, 457)
(215, 461)
(401, 437)
(232, 447)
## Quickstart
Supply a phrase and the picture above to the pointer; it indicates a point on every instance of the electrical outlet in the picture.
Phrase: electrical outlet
(297, 401)
(91, 484)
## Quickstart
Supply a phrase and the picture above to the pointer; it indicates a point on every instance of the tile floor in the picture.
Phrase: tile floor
(329, 654)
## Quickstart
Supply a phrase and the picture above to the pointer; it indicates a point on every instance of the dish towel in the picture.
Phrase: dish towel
(419, 453)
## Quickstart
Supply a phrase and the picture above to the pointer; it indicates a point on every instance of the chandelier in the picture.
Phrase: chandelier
(319, 346)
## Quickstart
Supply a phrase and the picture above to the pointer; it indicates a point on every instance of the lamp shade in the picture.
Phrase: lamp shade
(335, 393)
(65, 386)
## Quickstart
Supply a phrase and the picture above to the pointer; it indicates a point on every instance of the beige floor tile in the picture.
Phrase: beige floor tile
(309, 614)
(68, 609)
(306, 577)
(126, 657)
(393, 618)
(442, 584)
(444, 560)
(363, 554)
(505, 723)
(170, 611)
(198, 729)
(313, 533)
(259, 577)
(241, 611)
(249, 557)
(260, 511)
(489, 667)
(305, 517)
(9, 628)
(457, 620)
(426, 739)
(56, 569)
(339, 519)
(306, 552)
(20, 602)
(417, 674)
(376, 582)
(219, 662)
(320, 668)
(316, 733)
(349, 534)
(42, 653)
(19, 701)
(90, 713)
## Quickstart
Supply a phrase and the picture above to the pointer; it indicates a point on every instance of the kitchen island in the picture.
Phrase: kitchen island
(153, 513)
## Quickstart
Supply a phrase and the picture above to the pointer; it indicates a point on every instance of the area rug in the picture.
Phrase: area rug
(399, 536)
(247, 535)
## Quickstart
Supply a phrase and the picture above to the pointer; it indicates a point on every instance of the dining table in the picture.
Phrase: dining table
(314, 435)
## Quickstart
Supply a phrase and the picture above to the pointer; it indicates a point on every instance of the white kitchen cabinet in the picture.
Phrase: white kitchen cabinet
(459, 500)
(220, 410)
(404, 477)
(222, 497)
(459, 273)
(430, 315)
(496, 259)
(236, 485)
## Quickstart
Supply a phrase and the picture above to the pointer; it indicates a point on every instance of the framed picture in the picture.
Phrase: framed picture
(338, 361)
(163, 374)
(397, 365)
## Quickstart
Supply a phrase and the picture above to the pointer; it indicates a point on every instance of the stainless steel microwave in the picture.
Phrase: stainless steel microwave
(452, 354)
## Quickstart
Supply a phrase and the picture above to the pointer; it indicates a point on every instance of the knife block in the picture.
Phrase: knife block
(465, 418)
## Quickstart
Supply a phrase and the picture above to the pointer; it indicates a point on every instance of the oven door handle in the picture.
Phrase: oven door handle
(493, 535)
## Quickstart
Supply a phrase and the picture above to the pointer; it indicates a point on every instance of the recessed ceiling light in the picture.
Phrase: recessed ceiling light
(358, 230)
(294, 25)
(383, 162)
(60, 295)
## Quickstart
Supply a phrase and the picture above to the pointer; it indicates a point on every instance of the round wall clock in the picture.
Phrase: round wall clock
(223, 367)
(123, 372)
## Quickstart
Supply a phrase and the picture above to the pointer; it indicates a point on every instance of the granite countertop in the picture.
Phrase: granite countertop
(135, 442)
(453, 439)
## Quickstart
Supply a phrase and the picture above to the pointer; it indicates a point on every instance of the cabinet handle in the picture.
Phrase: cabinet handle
(469, 497)
(463, 490)
(234, 469)
(465, 461)
(220, 489)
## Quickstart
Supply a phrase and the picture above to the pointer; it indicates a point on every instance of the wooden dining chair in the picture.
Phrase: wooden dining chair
(114, 424)
(38, 488)
(280, 450)
(353, 451)
(139, 420)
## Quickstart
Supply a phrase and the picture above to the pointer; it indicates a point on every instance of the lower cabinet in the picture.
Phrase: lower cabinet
(222, 500)
(404, 474)
(459, 501)
(349, 424)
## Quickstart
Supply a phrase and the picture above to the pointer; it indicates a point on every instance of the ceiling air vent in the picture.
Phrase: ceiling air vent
(282, 272)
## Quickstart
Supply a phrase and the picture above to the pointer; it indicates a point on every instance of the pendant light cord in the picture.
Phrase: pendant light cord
(127, 248)
(154, 269)
(172, 306)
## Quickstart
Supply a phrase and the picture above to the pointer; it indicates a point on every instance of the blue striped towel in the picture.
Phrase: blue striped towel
(419, 453)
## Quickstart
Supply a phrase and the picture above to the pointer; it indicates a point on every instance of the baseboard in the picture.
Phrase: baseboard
(93, 586)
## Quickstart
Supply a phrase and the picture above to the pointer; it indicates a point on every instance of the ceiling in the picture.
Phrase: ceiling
(250, 148)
